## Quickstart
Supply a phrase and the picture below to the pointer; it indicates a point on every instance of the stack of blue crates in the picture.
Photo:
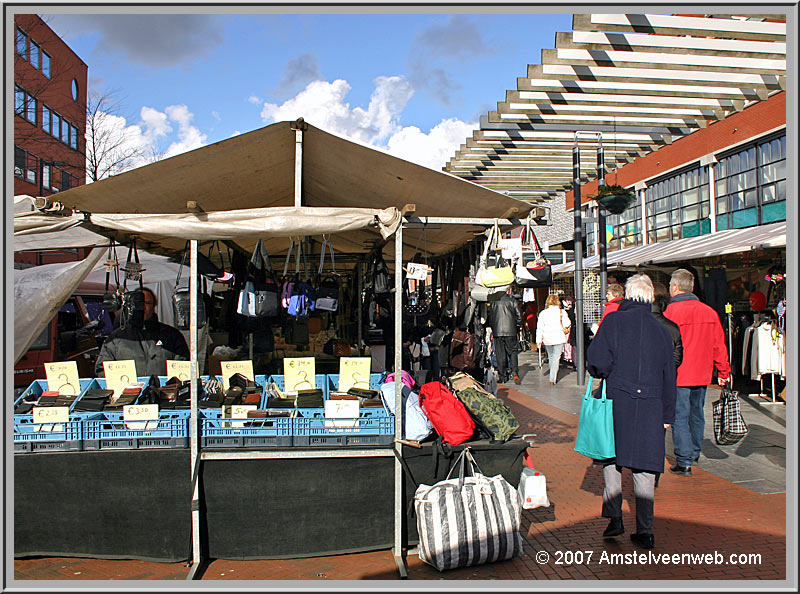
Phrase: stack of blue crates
(48, 437)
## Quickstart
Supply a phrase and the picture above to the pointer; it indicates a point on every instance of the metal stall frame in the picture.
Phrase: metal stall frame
(399, 549)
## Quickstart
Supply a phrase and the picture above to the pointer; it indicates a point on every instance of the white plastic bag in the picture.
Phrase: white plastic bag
(532, 489)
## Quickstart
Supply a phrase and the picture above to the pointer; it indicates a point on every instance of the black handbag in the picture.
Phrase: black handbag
(260, 296)
(181, 302)
(533, 270)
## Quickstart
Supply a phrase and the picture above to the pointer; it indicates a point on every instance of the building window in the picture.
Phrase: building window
(751, 185)
(66, 180)
(34, 55)
(32, 108)
(22, 44)
(20, 161)
(46, 176)
(46, 118)
(74, 90)
(624, 230)
(678, 207)
(46, 64)
(590, 231)
(19, 101)
(73, 137)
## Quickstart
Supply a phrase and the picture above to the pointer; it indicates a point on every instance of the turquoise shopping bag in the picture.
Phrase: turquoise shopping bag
(596, 425)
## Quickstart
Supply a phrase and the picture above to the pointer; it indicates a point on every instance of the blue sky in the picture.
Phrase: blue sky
(412, 84)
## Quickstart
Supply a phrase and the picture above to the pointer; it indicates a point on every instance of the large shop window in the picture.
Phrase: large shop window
(678, 206)
(751, 185)
(624, 230)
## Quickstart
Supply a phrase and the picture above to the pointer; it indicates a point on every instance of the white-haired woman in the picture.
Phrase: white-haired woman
(552, 330)
(634, 353)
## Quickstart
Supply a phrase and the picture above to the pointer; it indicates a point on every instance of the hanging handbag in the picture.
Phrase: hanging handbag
(450, 512)
(484, 294)
(500, 273)
(182, 304)
(532, 270)
(729, 425)
(596, 425)
(328, 286)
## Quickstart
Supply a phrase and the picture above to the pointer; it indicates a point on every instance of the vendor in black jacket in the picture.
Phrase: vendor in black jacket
(149, 345)
(505, 320)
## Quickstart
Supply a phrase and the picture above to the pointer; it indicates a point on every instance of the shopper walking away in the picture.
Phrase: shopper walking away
(703, 350)
(505, 320)
(633, 352)
(552, 330)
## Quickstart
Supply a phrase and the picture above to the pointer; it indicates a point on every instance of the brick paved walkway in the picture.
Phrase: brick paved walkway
(700, 515)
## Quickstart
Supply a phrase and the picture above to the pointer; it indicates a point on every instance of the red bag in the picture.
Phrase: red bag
(446, 413)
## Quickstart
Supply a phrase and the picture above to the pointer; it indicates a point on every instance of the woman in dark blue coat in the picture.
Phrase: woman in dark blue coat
(634, 353)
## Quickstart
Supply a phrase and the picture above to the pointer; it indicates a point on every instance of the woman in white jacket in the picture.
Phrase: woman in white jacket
(552, 330)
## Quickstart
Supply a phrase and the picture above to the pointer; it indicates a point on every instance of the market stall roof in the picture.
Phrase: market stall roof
(730, 241)
(257, 170)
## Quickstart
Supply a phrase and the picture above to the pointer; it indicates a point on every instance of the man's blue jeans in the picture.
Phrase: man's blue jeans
(687, 430)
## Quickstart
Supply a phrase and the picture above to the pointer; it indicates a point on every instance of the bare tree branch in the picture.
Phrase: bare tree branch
(109, 149)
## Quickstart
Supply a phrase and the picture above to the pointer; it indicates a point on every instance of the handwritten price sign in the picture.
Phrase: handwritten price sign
(140, 417)
(179, 369)
(62, 376)
(346, 411)
(230, 368)
(46, 418)
(119, 374)
(299, 373)
(239, 411)
(354, 372)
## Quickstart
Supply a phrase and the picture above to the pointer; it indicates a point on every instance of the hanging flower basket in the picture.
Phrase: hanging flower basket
(615, 199)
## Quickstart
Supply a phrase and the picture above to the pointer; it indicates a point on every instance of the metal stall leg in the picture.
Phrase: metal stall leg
(399, 550)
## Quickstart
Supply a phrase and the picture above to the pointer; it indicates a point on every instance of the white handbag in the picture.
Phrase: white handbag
(532, 489)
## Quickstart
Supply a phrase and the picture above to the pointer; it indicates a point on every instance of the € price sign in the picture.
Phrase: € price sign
(140, 416)
(354, 373)
(119, 374)
(62, 376)
(179, 369)
(230, 368)
(45, 416)
(299, 373)
(343, 413)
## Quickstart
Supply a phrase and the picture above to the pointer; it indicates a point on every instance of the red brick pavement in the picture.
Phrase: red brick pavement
(700, 515)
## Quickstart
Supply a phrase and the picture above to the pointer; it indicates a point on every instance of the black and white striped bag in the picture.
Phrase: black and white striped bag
(729, 424)
(469, 520)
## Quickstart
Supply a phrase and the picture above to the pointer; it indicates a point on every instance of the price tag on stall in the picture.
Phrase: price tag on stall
(140, 417)
(119, 374)
(417, 271)
(230, 368)
(345, 413)
(299, 373)
(354, 373)
(238, 411)
(45, 417)
(179, 369)
(62, 376)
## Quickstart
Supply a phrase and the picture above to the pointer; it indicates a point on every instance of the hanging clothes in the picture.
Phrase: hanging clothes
(767, 354)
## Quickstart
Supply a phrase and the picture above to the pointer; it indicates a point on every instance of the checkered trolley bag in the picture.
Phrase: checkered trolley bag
(729, 425)
(468, 520)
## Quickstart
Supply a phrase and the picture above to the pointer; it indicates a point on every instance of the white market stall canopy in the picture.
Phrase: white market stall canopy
(640, 80)
(730, 241)
(253, 174)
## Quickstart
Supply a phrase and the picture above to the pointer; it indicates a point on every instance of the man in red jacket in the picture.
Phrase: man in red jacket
(703, 350)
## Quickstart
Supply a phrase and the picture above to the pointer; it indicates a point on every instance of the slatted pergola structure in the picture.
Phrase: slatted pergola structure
(639, 80)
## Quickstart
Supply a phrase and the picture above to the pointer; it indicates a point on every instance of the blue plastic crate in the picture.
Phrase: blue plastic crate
(38, 386)
(373, 427)
(108, 430)
(41, 437)
(269, 432)
(375, 381)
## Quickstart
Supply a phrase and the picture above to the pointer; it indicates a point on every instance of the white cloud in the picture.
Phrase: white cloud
(323, 105)
(155, 122)
(253, 99)
(189, 137)
(433, 149)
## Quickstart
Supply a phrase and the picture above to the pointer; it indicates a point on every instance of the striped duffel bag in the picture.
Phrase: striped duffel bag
(469, 520)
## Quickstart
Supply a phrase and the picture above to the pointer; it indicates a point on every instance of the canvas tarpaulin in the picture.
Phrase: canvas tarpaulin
(40, 291)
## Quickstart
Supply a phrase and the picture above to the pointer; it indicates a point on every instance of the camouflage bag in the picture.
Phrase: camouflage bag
(490, 413)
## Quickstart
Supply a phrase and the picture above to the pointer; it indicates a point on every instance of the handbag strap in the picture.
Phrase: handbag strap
(180, 268)
(326, 242)
(532, 242)
(133, 254)
(112, 263)
(588, 393)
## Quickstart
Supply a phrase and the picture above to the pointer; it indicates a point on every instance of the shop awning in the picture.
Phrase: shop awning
(730, 241)
(256, 170)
